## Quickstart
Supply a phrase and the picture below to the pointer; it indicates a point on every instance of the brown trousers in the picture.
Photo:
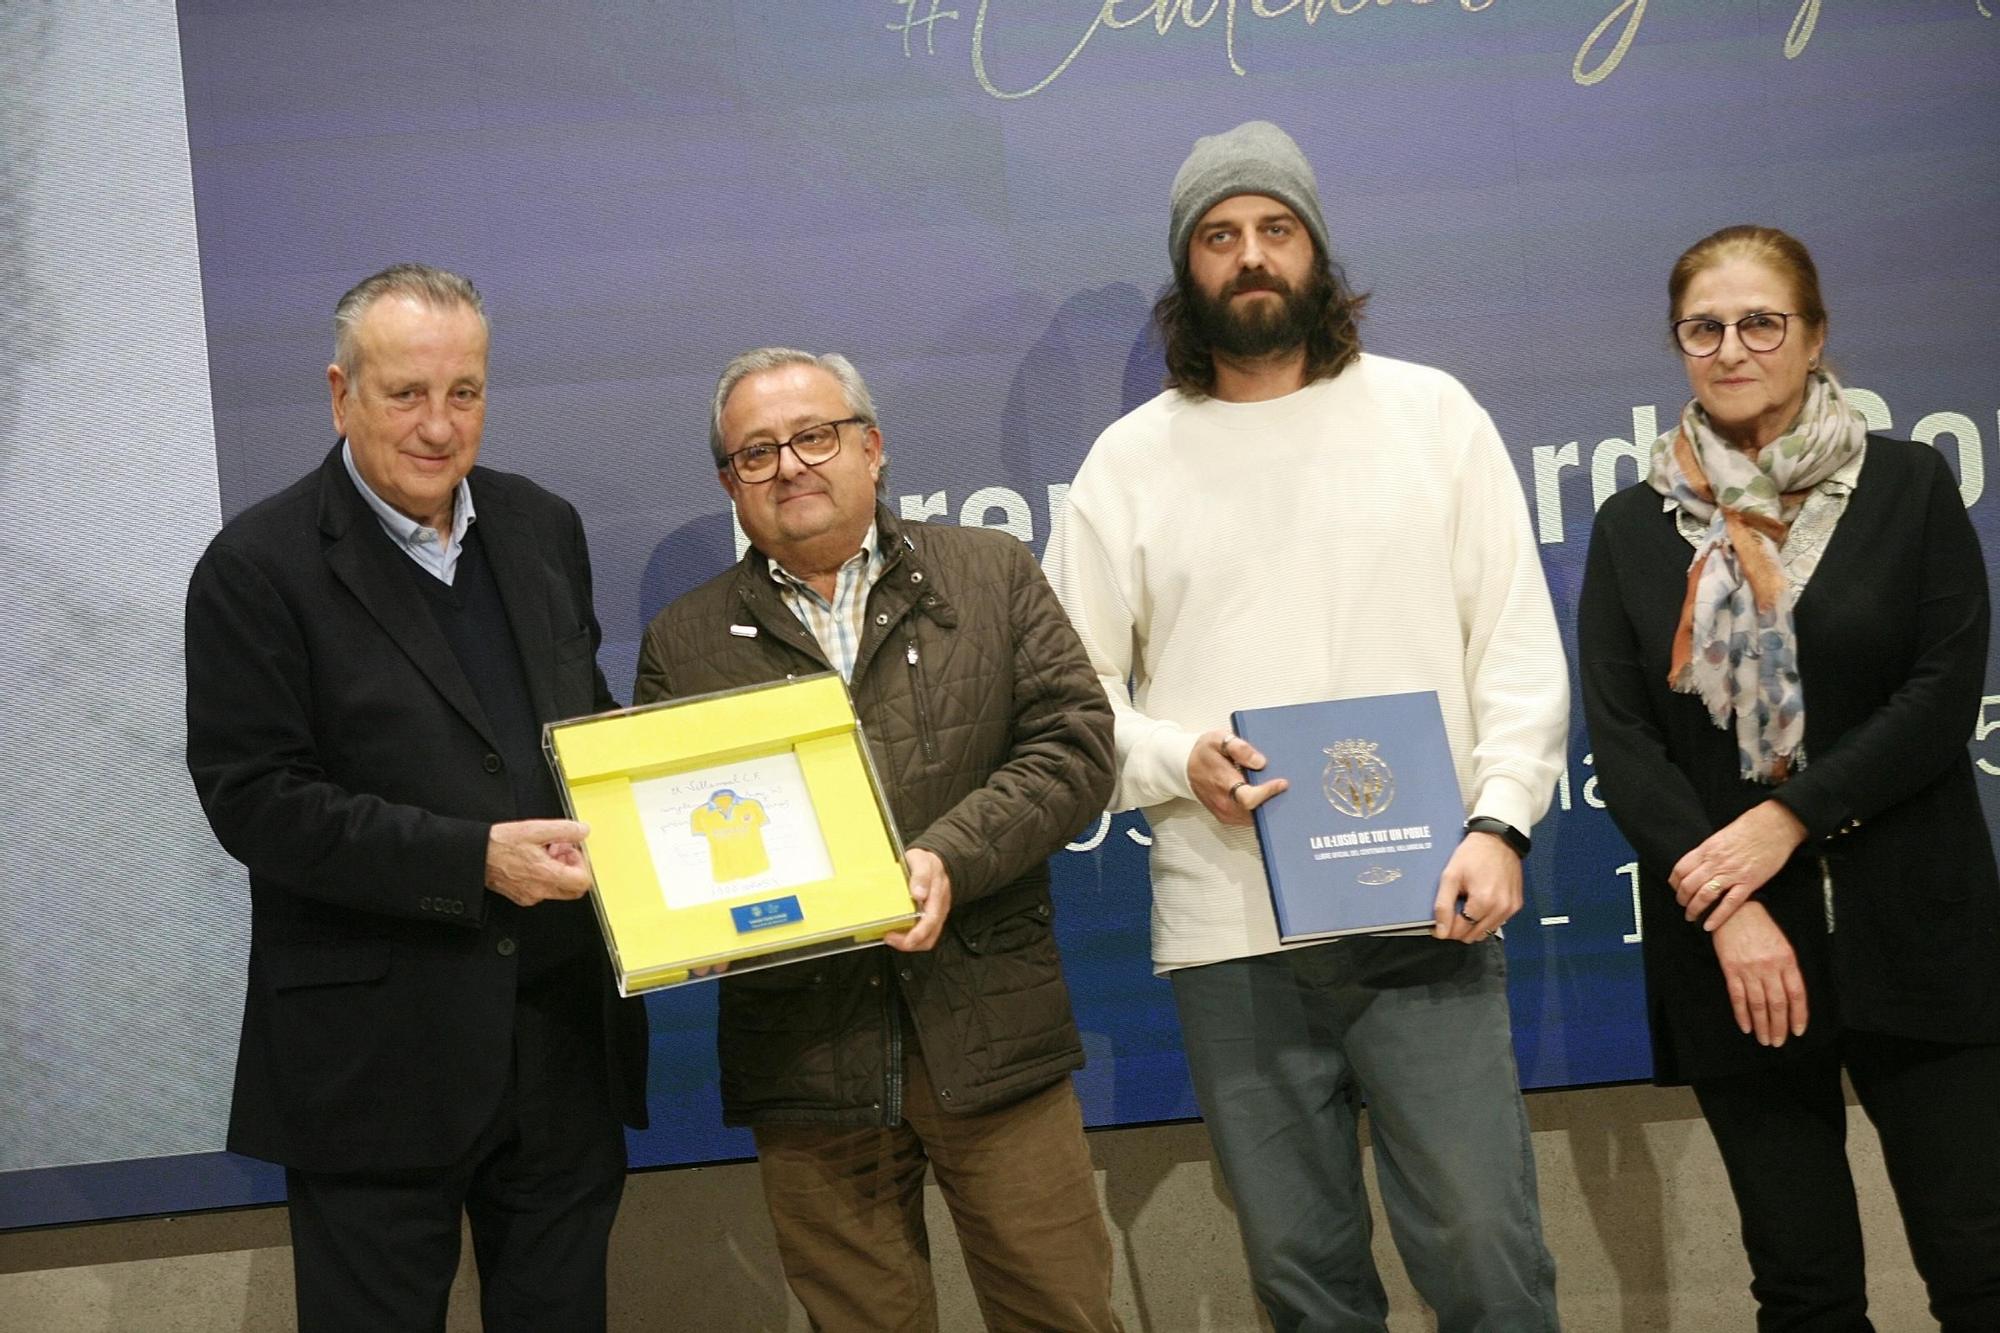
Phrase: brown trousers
(848, 1206)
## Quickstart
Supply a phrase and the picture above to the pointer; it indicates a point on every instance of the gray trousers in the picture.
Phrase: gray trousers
(1285, 1047)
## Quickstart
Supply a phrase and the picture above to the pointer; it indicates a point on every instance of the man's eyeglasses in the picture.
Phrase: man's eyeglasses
(755, 463)
(1763, 331)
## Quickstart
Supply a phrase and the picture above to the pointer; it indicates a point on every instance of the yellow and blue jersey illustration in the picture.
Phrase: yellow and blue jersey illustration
(734, 827)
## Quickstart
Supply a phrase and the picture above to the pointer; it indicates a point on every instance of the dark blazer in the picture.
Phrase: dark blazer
(343, 756)
(1892, 634)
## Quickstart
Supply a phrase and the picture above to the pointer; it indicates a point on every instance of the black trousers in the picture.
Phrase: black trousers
(376, 1252)
(1783, 1137)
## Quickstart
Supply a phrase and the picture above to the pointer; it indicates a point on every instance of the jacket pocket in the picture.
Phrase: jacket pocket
(342, 963)
(1017, 928)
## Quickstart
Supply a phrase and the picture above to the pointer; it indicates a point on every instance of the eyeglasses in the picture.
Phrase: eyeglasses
(755, 463)
(1763, 331)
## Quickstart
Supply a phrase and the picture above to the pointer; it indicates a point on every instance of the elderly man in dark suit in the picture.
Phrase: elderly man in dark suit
(429, 1026)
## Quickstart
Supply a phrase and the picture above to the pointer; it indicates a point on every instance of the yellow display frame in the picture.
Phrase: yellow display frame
(653, 945)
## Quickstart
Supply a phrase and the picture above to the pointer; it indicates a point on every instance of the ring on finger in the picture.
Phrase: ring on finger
(1240, 785)
(1713, 886)
(1223, 745)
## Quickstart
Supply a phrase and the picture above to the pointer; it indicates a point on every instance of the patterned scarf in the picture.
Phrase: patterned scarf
(1736, 646)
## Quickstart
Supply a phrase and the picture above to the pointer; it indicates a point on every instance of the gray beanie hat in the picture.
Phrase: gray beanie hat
(1254, 158)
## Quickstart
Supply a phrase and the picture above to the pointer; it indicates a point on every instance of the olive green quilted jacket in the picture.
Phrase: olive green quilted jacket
(993, 741)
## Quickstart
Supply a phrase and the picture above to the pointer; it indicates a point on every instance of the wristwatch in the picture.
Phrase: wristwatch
(1502, 830)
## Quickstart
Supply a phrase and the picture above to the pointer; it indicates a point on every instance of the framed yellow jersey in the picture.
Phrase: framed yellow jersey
(740, 829)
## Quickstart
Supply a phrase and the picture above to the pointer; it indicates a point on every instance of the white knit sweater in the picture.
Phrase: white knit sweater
(1364, 535)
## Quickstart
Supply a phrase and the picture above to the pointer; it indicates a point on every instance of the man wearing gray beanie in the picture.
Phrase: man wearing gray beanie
(1294, 520)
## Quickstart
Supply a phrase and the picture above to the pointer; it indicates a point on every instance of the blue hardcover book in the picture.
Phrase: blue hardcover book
(1358, 843)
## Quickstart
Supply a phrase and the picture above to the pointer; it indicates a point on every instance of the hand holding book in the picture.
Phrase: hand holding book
(1480, 890)
(1219, 769)
(1364, 839)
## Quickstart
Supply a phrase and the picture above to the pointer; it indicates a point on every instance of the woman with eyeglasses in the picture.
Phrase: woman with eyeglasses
(1782, 642)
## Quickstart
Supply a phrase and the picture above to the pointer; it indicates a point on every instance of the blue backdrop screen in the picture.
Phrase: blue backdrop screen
(970, 200)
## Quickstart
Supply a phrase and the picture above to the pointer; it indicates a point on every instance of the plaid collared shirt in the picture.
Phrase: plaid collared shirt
(838, 624)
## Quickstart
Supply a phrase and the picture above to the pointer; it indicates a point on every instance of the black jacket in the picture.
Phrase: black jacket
(1892, 634)
(342, 755)
(993, 741)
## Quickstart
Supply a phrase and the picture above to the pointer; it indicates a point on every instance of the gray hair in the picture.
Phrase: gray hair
(761, 359)
(440, 289)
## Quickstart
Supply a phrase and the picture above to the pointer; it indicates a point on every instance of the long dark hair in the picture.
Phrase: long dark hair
(1333, 341)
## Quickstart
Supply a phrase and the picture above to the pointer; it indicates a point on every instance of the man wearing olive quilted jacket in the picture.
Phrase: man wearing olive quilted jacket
(953, 1046)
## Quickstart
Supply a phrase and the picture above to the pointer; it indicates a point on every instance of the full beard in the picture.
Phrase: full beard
(1257, 331)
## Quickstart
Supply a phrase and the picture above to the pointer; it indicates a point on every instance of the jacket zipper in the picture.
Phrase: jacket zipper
(892, 1091)
(923, 707)
(1826, 890)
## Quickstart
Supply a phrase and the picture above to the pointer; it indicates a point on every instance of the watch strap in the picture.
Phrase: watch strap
(1502, 830)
